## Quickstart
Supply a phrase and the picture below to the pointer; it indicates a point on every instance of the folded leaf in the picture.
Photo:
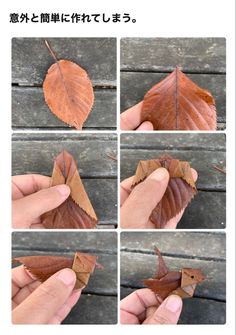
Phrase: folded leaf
(177, 103)
(180, 190)
(68, 92)
(43, 267)
(77, 210)
(173, 282)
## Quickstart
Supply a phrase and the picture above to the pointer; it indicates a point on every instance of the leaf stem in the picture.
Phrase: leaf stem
(50, 50)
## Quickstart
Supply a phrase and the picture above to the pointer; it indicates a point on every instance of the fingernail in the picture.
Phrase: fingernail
(64, 190)
(173, 303)
(159, 174)
(67, 276)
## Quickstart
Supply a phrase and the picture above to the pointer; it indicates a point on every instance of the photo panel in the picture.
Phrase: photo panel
(184, 254)
(36, 254)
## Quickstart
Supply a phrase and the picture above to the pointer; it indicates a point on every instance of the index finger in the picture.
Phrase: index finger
(137, 302)
(125, 189)
(131, 118)
(20, 278)
(23, 185)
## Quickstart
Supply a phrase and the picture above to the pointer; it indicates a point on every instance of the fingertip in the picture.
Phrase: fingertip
(161, 174)
(63, 190)
(146, 125)
(67, 276)
(173, 303)
(194, 174)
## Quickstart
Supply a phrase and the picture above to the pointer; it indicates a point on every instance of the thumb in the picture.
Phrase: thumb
(28, 209)
(46, 300)
(137, 209)
(168, 312)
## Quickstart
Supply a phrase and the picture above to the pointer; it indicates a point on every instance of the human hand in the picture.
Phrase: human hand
(145, 307)
(32, 196)
(46, 303)
(131, 119)
(138, 204)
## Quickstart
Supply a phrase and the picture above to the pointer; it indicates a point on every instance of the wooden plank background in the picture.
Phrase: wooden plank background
(206, 251)
(98, 303)
(30, 62)
(35, 153)
(146, 61)
(203, 152)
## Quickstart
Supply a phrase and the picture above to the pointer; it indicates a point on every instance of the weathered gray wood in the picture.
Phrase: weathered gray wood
(29, 110)
(202, 161)
(66, 242)
(202, 311)
(136, 267)
(196, 310)
(201, 55)
(135, 85)
(93, 309)
(170, 141)
(190, 244)
(36, 153)
(31, 59)
(206, 211)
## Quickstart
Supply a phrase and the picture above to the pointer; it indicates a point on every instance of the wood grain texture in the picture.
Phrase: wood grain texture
(102, 288)
(203, 152)
(30, 111)
(30, 62)
(198, 55)
(198, 250)
(212, 246)
(35, 153)
(146, 61)
(31, 59)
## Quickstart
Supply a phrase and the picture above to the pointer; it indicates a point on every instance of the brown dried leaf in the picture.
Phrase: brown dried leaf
(180, 190)
(43, 267)
(68, 92)
(77, 210)
(172, 282)
(177, 103)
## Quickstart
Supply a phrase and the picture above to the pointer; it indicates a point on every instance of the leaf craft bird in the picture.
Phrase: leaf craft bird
(43, 267)
(177, 103)
(76, 211)
(181, 283)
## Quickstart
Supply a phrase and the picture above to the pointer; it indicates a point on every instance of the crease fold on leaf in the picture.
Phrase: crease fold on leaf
(180, 189)
(181, 283)
(177, 103)
(43, 267)
(76, 211)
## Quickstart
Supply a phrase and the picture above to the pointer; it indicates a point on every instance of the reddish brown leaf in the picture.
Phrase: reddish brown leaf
(77, 210)
(68, 92)
(180, 190)
(167, 282)
(177, 103)
(43, 267)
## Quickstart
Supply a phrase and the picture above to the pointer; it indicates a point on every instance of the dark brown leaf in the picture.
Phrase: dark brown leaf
(177, 103)
(173, 282)
(180, 190)
(77, 210)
